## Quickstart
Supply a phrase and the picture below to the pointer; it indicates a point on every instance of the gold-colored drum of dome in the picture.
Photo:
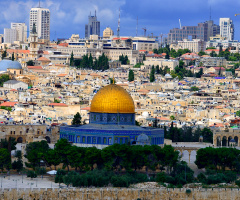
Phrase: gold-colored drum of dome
(112, 99)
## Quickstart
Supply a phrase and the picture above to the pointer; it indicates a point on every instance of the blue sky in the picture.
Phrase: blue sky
(158, 16)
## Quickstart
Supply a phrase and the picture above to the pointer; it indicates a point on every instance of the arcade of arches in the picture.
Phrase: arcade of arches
(224, 139)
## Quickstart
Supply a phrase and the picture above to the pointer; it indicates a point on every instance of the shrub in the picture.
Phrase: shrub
(161, 177)
(237, 183)
(31, 174)
(215, 179)
(202, 178)
(188, 191)
(230, 176)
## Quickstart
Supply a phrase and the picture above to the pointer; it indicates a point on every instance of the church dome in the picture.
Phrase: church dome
(9, 64)
(112, 99)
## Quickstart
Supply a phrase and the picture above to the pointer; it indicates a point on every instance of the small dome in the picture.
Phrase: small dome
(178, 104)
(145, 114)
(9, 64)
(168, 76)
(232, 140)
(142, 138)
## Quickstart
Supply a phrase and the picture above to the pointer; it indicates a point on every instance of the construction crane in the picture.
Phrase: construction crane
(161, 36)
(237, 14)
(180, 24)
(145, 31)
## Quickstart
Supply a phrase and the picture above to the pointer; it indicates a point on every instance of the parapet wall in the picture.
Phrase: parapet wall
(121, 194)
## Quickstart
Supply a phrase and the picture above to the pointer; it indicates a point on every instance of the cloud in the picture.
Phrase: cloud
(68, 17)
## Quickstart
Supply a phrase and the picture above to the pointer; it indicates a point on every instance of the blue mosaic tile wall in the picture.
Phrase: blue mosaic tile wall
(112, 118)
(109, 137)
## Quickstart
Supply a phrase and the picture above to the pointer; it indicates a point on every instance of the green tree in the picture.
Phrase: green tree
(18, 164)
(194, 88)
(62, 148)
(238, 113)
(35, 152)
(72, 59)
(201, 53)
(4, 54)
(130, 75)
(152, 75)
(77, 119)
(172, 117)
(30, 63)
(144, 57)
(52, 158)
(13, 57)
(4, 78)
(5, 159)
(59, 178)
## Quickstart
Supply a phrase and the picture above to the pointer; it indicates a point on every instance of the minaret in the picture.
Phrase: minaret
(33, 39)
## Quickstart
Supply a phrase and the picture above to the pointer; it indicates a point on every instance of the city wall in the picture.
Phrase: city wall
(120, 194)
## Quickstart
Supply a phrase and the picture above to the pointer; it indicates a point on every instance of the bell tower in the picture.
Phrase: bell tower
(33, 39)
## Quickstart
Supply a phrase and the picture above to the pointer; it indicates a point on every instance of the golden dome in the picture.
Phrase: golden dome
(112, 99)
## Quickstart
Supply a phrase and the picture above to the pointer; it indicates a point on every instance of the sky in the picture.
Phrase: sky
(70, 16)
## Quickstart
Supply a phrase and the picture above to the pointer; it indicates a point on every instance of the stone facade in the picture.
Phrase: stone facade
(123, 194)
(222, 138)
(29, 133)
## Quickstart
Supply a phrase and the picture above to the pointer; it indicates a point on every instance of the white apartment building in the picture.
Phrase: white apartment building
(195, 45)
(41, 18)
(144, 43)
(10, 35)
(21, 29)
(226, 28)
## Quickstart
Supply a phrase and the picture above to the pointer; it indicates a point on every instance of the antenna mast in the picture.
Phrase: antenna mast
(39, 4)
(118, 29)
(210, 13)
(137, 27)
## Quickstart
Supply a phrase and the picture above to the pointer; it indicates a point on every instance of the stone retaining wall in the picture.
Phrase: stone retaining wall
(120, 194)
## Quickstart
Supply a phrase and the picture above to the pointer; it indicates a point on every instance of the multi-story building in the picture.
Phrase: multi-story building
(202, 31)
(195, 45)
(21, 29)
(93, 26)
(41, 18)
(1, 38)
(108, 32)
(10, 35)
(144, 43)
(226, 28)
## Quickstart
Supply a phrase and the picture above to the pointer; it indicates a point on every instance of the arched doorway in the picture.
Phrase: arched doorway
(218, 141)
(224, 141)
(236, 140)
(20, 140)
(48, 139)
(229, 138)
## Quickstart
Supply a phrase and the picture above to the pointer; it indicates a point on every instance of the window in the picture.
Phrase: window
(83, 140)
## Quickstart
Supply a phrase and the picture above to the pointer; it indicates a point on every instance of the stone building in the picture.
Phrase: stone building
(29, 133)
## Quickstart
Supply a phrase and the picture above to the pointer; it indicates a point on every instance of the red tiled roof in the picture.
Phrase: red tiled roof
(34, 67)
(163, 118)
(86, 108)
(18, 51)
(14, 90)
(63, 44)
(43, 59)
(45, 52)
(58, 104)
(8, 104)
(61, 75)
(212, 50)
(218, 68)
